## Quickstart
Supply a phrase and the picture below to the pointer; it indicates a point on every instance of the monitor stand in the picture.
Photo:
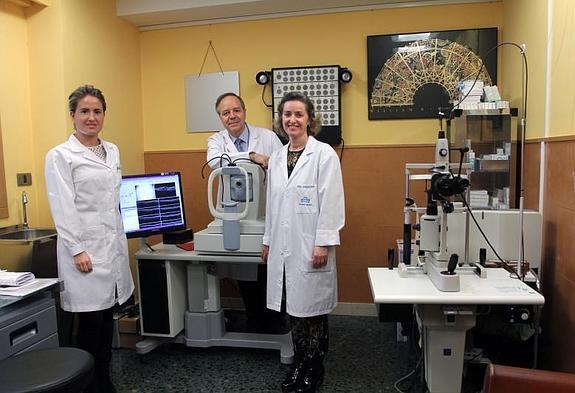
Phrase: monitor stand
(144, 244)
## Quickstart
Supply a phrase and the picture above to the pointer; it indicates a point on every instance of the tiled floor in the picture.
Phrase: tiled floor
(364, 357)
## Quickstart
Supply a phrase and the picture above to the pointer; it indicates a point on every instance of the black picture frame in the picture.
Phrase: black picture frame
(412, 75)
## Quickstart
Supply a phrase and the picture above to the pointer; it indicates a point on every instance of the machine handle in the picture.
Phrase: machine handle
(219, 214)
(213, 211)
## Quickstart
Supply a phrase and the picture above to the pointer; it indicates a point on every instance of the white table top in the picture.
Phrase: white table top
(172, 252)
(18, 293)
(498, 288)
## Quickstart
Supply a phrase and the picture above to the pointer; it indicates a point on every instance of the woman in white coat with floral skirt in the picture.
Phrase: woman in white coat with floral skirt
(83, 182)
(305, 212)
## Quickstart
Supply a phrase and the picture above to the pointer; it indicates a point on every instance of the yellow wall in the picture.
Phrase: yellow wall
(47, 52)
(525, 22)
(15, 108)
(50, 50)
(562, 77)
(49, 115)
(83, 42)
(104, 50)
(249, 47)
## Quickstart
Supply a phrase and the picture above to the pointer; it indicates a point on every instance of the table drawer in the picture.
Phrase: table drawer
(27, 331)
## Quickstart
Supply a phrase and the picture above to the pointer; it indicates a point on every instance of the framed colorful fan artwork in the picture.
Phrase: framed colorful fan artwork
(412, 75)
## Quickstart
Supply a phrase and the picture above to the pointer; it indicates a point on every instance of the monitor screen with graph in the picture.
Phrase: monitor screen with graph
(152, 204)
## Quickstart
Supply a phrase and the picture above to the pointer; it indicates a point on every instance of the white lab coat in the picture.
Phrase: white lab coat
(83, 192)
(304, 211)
(262, 141)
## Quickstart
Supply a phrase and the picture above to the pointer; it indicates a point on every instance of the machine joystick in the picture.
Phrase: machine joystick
(451, 265)
(482, 256)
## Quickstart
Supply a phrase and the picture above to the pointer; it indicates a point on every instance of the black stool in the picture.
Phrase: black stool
(61, 370)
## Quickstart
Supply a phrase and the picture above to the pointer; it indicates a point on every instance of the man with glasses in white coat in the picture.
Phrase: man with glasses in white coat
(241, 140)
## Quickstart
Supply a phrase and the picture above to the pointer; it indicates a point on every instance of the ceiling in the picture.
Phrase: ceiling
(162, 14)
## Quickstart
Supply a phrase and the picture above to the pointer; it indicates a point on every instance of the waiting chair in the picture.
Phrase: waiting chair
(505, 379)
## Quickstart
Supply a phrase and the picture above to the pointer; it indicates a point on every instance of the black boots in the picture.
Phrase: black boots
(305, 377)
(312, 379)
(294, 377)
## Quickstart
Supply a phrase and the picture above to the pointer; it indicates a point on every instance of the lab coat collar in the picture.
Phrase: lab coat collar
(247, 133)
(254, 136)
(77, 147)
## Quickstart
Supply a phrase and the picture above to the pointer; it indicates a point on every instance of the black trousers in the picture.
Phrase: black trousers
(260, 319)
(310, 338)
(95, 334)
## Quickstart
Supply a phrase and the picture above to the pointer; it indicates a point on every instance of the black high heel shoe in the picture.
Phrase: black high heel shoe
(294, 377)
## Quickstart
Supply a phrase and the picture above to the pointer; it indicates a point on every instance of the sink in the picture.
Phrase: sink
(29, 250)
(28, 234)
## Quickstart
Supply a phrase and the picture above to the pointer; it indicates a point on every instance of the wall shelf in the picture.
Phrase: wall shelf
(488, 135)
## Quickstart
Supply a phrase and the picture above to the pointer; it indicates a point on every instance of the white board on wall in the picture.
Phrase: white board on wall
(201, 93)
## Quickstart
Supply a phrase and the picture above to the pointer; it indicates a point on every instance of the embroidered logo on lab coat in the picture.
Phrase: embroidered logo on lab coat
(306, 199)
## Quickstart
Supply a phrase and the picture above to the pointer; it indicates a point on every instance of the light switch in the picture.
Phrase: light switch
(24, 179)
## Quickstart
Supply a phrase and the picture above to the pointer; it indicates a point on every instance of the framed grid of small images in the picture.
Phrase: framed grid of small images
(319, 83)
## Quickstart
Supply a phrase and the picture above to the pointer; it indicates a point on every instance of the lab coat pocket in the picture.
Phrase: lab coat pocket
(306, 199)
(94, 239)
(307, 260)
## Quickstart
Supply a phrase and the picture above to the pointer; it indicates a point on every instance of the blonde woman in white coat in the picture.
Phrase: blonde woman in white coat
(305, 212)
(83, 181)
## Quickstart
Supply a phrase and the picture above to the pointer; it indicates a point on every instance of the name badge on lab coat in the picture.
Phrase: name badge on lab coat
(306, 199)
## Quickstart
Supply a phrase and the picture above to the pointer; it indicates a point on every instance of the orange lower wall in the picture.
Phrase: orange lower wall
(558, 276)
(531, 177)
(374, 192)
(374, 186)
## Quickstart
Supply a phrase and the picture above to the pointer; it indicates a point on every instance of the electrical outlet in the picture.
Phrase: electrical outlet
(24, 179)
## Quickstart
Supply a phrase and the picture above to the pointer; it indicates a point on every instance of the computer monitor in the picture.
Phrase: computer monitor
(152, 204)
